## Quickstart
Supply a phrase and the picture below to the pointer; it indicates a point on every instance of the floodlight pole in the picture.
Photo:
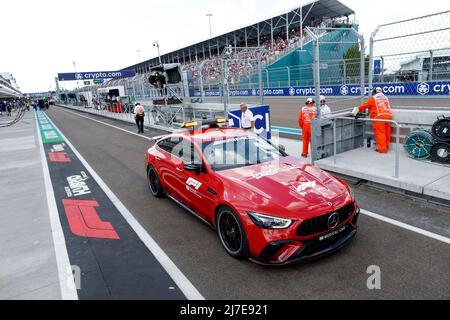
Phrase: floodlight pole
(156, 44)
(209, 15)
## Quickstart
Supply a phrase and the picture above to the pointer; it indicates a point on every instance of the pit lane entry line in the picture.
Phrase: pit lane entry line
(66, 281)
(178, 277)
(397, 223)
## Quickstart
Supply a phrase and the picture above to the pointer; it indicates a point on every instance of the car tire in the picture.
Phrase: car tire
(154, 183)
(231, 233)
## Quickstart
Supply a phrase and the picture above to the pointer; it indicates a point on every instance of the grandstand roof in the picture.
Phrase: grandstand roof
(284, 21)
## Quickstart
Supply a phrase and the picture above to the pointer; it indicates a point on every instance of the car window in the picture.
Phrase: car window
(169, 144)
(187, 152)
(237, 152)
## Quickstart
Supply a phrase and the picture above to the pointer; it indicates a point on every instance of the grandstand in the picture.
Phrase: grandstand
(284, 40)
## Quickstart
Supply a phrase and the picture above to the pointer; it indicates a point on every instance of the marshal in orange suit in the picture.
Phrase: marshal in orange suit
(305, 116)
(379, 108)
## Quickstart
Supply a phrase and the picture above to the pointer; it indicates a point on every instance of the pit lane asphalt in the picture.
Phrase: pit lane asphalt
(412, 266)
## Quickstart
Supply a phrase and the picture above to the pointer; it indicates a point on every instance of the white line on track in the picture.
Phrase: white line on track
(178, 277)
(423, 232)
(107, 124)
(365, 212)
(68, 290)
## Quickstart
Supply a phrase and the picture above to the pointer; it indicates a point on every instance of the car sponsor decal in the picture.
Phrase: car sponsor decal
(191, 182)
(114, 262)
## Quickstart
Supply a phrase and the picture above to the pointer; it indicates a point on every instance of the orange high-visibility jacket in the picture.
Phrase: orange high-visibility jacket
(379, 107)
(305, 115)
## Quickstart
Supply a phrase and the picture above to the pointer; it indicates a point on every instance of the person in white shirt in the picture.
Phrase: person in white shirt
(325, 110)
(247, 120)
(139, 113)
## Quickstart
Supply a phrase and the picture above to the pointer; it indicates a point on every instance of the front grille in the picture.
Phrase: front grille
(320, 224)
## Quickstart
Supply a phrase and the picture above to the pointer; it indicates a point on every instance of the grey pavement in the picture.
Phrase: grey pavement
(413, 266)
(28, 268)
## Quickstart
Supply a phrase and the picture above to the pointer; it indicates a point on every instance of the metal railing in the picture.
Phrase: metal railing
(20, 114)
(397, 139)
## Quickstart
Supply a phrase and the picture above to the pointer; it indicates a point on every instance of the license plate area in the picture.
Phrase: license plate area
(332, 234)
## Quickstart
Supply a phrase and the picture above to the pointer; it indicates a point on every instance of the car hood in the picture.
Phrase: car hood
(288, 187)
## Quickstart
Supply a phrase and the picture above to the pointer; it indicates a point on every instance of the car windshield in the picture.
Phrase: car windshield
(235, 152)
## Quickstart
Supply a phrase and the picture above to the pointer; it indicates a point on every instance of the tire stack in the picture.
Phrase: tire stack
(440, 151)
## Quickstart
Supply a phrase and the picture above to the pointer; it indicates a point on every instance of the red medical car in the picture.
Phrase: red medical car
(265, 205)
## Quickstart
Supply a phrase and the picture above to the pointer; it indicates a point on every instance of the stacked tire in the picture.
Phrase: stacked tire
(440, 151)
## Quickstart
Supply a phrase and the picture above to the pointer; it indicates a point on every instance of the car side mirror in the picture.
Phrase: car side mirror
(282, 148)
(193, 167)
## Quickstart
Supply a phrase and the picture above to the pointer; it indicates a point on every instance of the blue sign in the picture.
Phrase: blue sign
(393, 89)
(261, 114)
(96, 75)
(35, 95)
(377, 67)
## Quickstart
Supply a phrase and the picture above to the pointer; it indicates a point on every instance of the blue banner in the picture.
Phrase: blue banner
(261, 114)
(377, 67)
(393, 89)
(96, 75)
(35, 95)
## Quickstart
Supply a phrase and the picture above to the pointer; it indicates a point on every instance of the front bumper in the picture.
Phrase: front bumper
(290, 250)
(311, 250)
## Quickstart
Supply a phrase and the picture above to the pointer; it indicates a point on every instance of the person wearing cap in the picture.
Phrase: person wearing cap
(379, 108)
(305, 116)
(325, 110)
(139, 114)
(247, 119)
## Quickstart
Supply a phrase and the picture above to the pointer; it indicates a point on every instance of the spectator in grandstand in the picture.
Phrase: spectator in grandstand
(247, 119)
(305, 116)
(139, 114)
(325, 110)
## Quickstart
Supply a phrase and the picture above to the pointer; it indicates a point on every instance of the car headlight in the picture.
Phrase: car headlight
(269, 222)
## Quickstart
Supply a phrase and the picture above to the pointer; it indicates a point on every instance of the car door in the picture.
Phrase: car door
(199, 186)
(170, 164)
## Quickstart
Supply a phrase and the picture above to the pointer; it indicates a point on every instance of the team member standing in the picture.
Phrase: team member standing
(305, 116)
(379, 108)
(247, 119)
(139, 114)
(325, 110)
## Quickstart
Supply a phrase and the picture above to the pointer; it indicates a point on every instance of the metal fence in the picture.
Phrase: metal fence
(413, 50)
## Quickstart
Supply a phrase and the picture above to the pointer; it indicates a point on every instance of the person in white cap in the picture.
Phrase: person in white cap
(325, 110)
(306, 114)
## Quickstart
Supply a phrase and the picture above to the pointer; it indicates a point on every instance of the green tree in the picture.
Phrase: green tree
(351, 67)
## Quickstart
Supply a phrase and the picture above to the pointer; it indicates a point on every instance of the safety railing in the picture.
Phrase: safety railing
(397, 139)
(20, 114)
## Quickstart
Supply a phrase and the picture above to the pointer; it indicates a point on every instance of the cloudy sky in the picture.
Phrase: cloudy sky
(41, 38)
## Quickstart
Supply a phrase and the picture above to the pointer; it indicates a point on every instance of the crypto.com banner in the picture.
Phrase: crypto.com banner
(392, 89)
(96, 75)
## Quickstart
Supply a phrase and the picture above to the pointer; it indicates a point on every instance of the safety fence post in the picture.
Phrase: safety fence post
(371, 57)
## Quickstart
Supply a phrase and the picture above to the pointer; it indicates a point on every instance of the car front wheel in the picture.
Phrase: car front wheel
(231, 233)
(154, 183)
